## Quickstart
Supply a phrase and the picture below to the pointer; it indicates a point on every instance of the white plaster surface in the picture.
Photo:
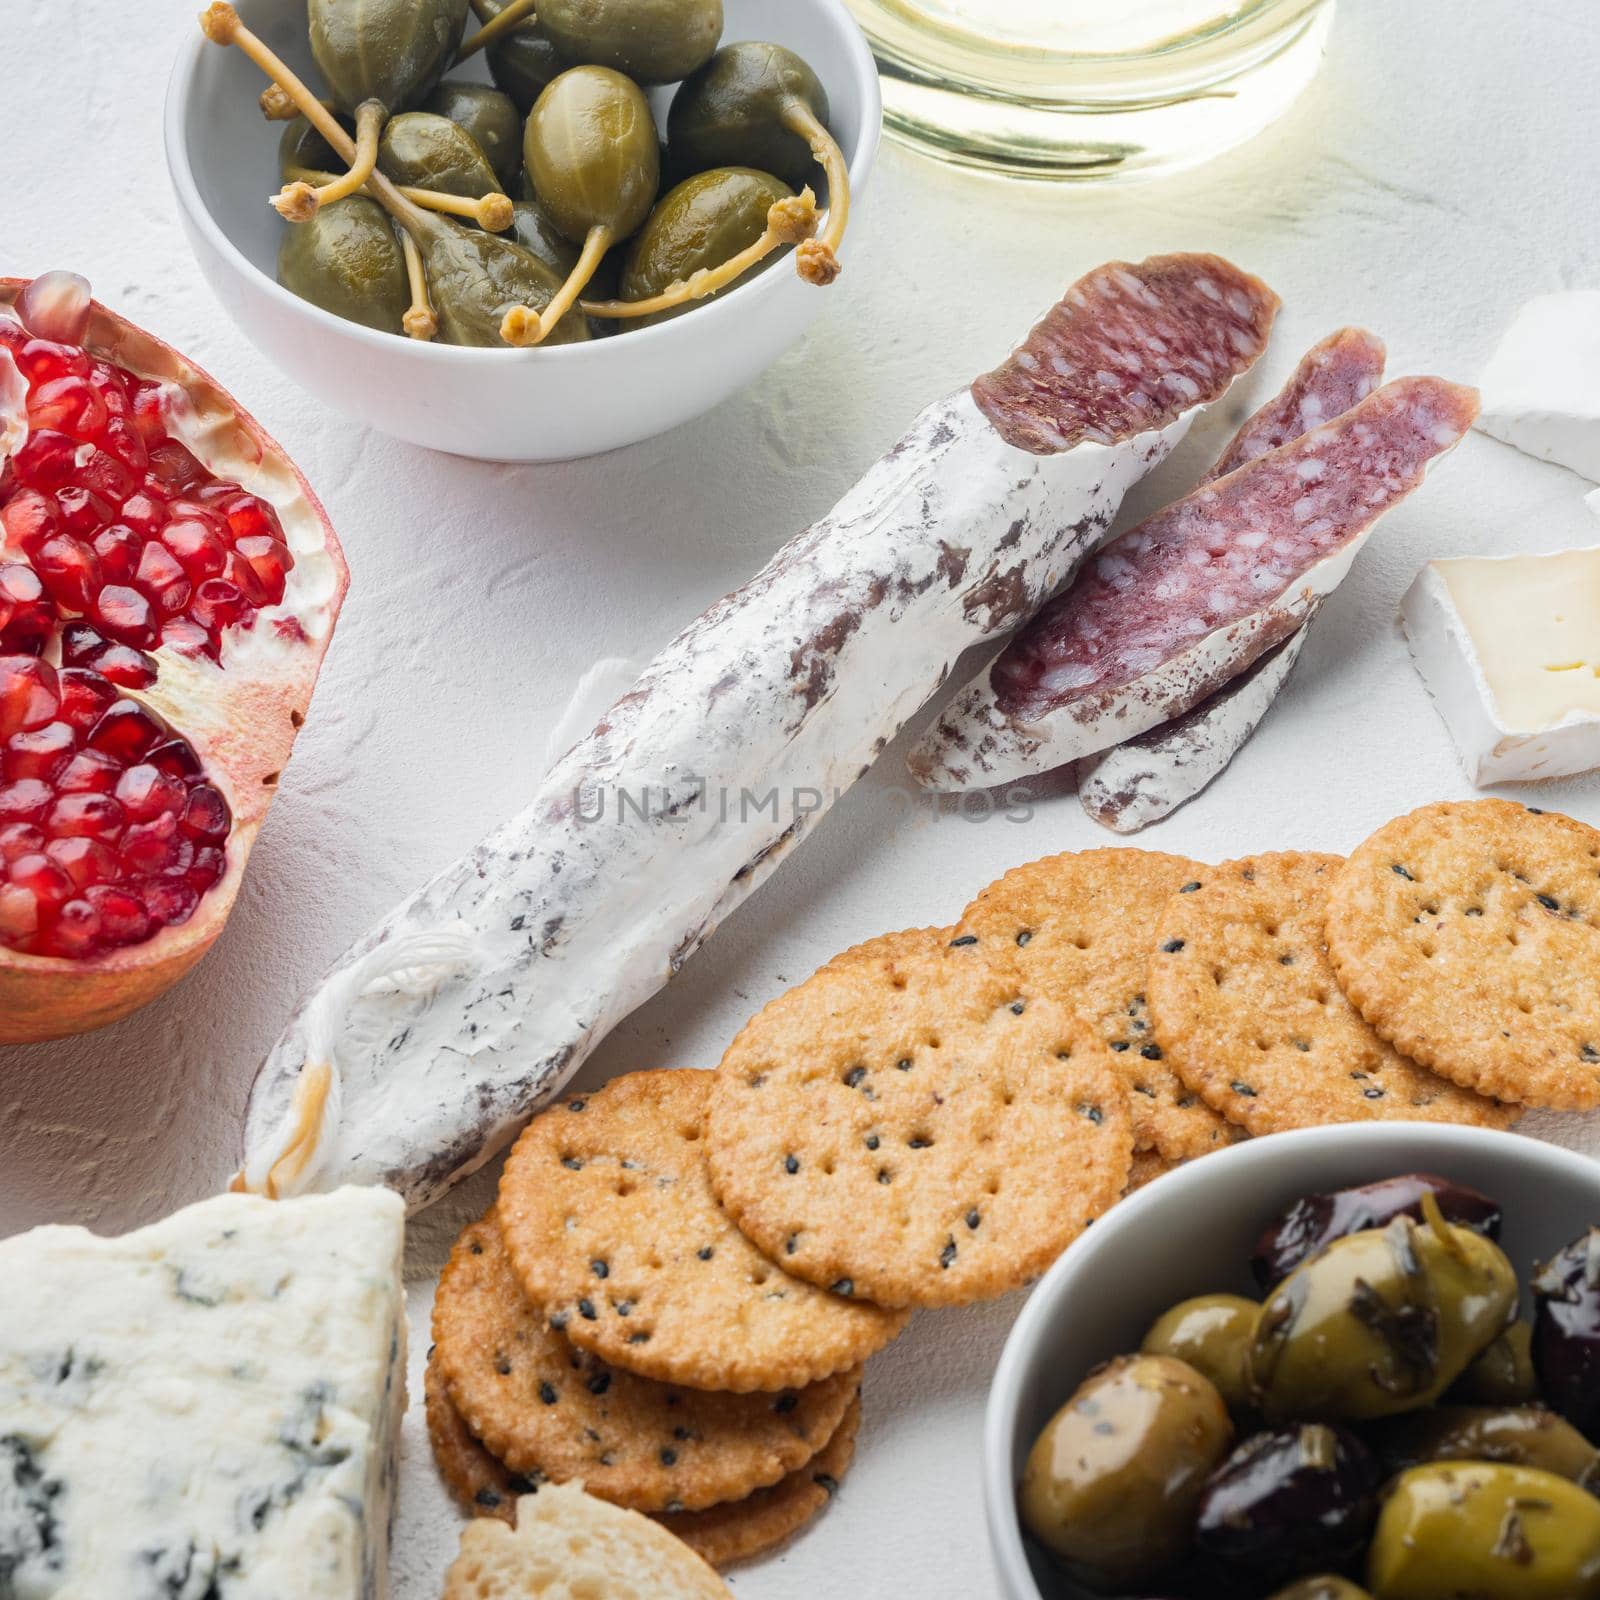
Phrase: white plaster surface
(1438, 173)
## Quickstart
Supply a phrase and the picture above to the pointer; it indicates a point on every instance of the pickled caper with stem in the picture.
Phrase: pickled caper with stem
(760, 105)
(347, 260)
(299, 200)
(652, 41)
(301, 148)
(391, 51)
(489, 116)
(1487, 1532)
(522, 61)
(426, 151)
(532, 228)
(704, 235)
(590, 149)
(463, 281)
(1380, 1321)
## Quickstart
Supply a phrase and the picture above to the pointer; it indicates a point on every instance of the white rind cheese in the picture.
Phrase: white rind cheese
(207, 1408)
(1509, 647)
(1541, 389)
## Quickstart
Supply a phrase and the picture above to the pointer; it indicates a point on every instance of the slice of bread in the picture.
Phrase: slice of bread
(569, 1546)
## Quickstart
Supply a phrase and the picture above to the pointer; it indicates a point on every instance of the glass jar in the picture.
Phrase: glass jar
(1090, 89)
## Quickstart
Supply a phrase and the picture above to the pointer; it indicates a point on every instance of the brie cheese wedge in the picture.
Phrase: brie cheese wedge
(209, 1406)
(1509, 647)
(1541, 389)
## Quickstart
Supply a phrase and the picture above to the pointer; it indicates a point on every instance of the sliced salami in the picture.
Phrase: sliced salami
(1170, 611)
(1144, 779)
(445, 1027)
(1137, 783)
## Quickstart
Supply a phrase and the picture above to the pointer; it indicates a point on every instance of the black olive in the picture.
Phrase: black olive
(1566, 1332)
(1318, 1219)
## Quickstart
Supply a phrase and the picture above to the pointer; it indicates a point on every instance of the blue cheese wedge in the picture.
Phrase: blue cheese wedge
(207, 1408)
(1509, 647)
(1541, 389)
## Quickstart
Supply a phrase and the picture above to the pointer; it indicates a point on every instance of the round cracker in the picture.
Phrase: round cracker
(548, 1409)
(1250, 1015)
(921, 1135)
(608, 1216)
(1468, 934)
(1148, 1165)
(724, 1535)
(893, 947)
(1078, 928)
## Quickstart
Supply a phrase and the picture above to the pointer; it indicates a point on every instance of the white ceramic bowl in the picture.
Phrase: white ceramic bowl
(1192, 1232)
(500, 405)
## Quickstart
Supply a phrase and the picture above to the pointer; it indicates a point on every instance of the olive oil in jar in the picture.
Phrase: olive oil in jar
(1090, 89)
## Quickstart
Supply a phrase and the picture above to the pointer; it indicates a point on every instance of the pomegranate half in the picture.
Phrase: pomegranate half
(168, 588)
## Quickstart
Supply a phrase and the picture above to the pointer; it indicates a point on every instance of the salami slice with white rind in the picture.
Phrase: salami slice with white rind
(1171, 610)
(1142, 780)
(443, 1029)
(1137, 783)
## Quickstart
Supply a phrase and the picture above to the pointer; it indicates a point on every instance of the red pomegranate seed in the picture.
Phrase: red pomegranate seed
(29, 517)
(261, 568)
(198, 545)
(217, 605)
(41, 753)
(80, 644)
(252, 518)
(83, 512)
(56, 305)
(125, 615)
(26, 800)
(70, 569)
(170, 901)
(47, 460)
(85, 697)
(27, 613)
(155, 848)
(85, 861)
(119, 549)
(109, 477)
(175, 466)
(89, 772)
(86, 816)
(76, 930)
(71, 404)
(207, 815)
(48, 884)
(146, 515)
(163, 579)
(19, 839)
(30, 694)
(147, 414)
(126, 732)
(209, 865)
(126, 667)
(186, 637)
(177, 759)
(122, 442)
(123, 918)
(43, 360)
(146, 792)
(19, 914)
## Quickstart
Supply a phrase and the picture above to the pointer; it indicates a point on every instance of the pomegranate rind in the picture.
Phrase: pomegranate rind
(241, 717)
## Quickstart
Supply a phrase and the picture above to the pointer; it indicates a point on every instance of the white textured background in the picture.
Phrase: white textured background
(1440, 171)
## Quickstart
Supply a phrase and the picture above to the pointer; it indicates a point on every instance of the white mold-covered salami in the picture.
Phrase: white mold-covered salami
(443, 1029)
(1142, 780)
(1171, 610)
(1146, 778)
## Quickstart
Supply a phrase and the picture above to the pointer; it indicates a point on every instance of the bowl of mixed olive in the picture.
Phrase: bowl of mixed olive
(1354, 1363)
(523, 230)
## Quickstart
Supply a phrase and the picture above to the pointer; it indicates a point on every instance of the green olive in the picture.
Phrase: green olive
(431, 152)
(523, 62)
(532, 228)
(700, 223)
(1112, 1482)
(653, 41)
(474, 277)
(491, 119)
(591, 151)
(391, 51)
(347, 260)
(1212, 1333)
(301, 147)
(1503, 1375)
(1478, 1531)
(733, 112)
(1380, 1322)
(1322, 1587)
(1519, 1436)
